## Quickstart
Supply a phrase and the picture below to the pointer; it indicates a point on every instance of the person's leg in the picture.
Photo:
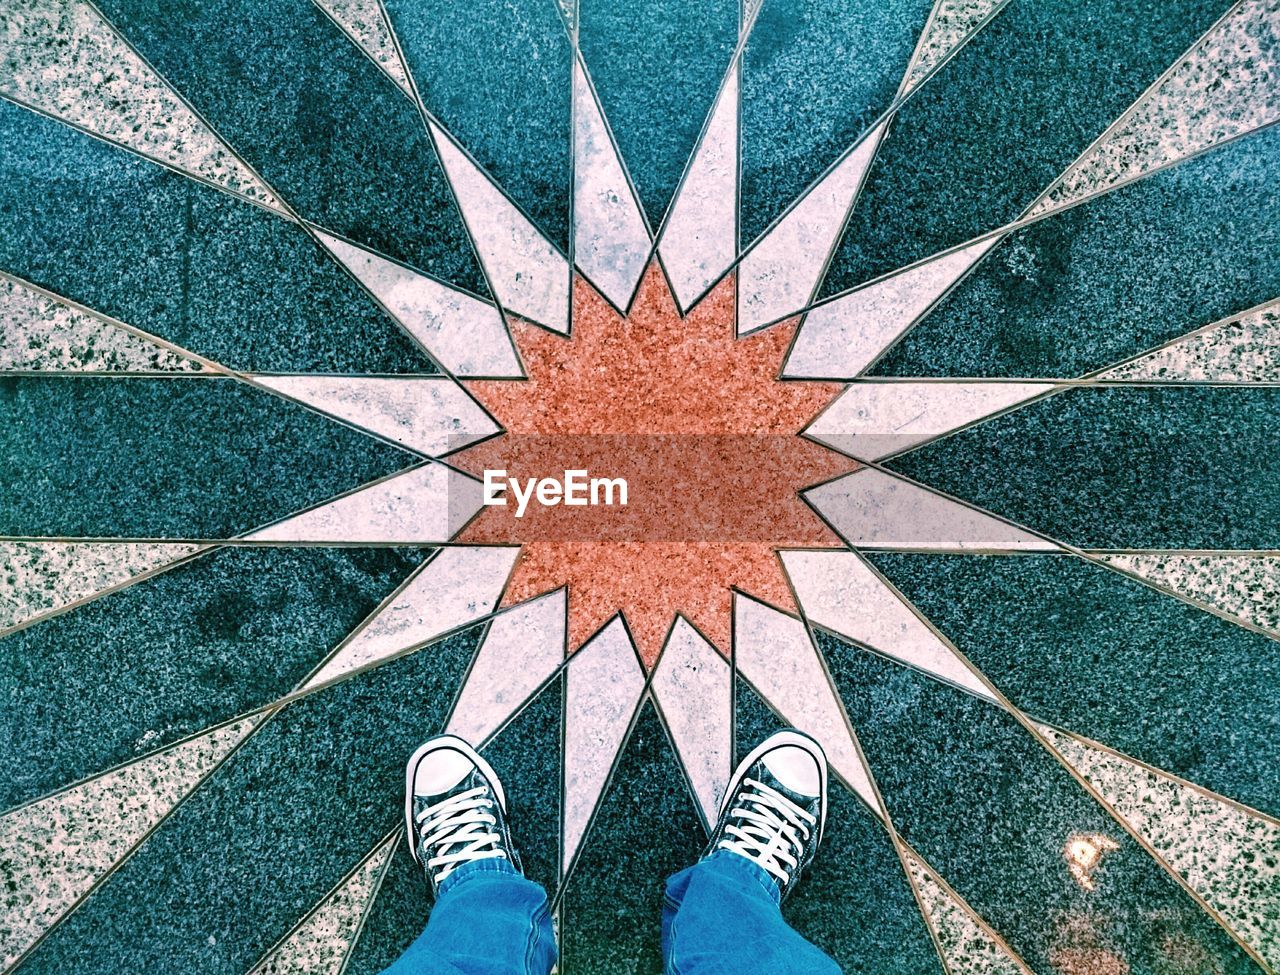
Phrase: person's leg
(723, 914)
(488, 918)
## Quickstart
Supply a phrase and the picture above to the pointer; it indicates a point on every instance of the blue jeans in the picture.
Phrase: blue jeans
(720, 917)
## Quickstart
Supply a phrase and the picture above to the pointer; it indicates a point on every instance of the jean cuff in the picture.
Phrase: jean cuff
(477, 868)
(728, 863)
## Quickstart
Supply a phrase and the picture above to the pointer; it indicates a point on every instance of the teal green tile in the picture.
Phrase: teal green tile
(182, 260)
(1124, 467)
(1099, 654)
(657, 65)
(170, 656)
(270, 833)
(1115, 276)
(497, 75)
(1004, 118)
(993, 813)
(815, 75)
(319, 120)
(193, 458)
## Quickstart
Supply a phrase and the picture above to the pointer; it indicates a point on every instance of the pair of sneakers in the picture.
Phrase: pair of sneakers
(772, 814)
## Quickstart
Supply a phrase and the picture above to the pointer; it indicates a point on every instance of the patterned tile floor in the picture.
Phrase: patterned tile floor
(941, 342)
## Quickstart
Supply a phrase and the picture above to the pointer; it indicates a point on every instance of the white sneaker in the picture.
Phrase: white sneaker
(775, 807)
(455, 810)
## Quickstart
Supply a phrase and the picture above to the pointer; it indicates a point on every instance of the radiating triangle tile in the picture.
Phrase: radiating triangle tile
(422, 505)
(700, 239)
(774, 653)
(528, 275)
(432, 415)
(524, 646)
(1229, 856)
(63, 59)
(1244, 348)
(1226, 85)
(43, 333)
(967, 943)
(874, 419)
(465, 334)
(693, 685)
(843, 337)
(321, 942)
(40, 578)
(610, 238)
(838, 591)
(873, 509)
(1242, 585)
(456, 586)
(54, 850)
(952, 23)
(779, 274)
(602, 693)
(362, 21)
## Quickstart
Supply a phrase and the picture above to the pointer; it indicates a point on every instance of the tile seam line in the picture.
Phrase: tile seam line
(376, 63)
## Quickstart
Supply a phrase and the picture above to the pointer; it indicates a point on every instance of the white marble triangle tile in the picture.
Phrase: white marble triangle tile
(1229, 856)
(602, 693)
(62, 58)
(431, 415)
(465, 334)
(838, 591)
(610, 239)
(43, 333)
(55, 850)
(843, 337)
(1242, 585)
(426, 504)
(874, 419)
(528, 275)
(693, 685)
(1244, 348)
(524, 646)
(700, 239)
(951, 24)
(40, 578)
(967, 943)
(455, 587)
(321, 942)
(362, 21)
(774, 653)
(873, 509)
(780, 273)
(1226, 85)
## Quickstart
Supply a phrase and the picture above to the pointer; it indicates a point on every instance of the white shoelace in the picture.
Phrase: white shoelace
(458, 828)
(770, 830)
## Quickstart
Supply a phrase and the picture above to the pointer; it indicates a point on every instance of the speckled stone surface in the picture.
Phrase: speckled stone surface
(843, 62)
(1123, 467)
(954, 21)
(55, 850)
(1243, 348)
(657, 65)
(182, 261)
(62, 58)
(172, 655)
(338, 757)
(364, 23)
(1228, 84)
(1104, 656)
(1246, 586)
(497, 75)
(945, 175)
(1227, 856)
(330, 132)
(157, 458)
(954, 770)
(1072, 294)
(42, 577)
(41, 333)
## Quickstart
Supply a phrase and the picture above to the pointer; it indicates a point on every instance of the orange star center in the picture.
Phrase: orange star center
(705, 435)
